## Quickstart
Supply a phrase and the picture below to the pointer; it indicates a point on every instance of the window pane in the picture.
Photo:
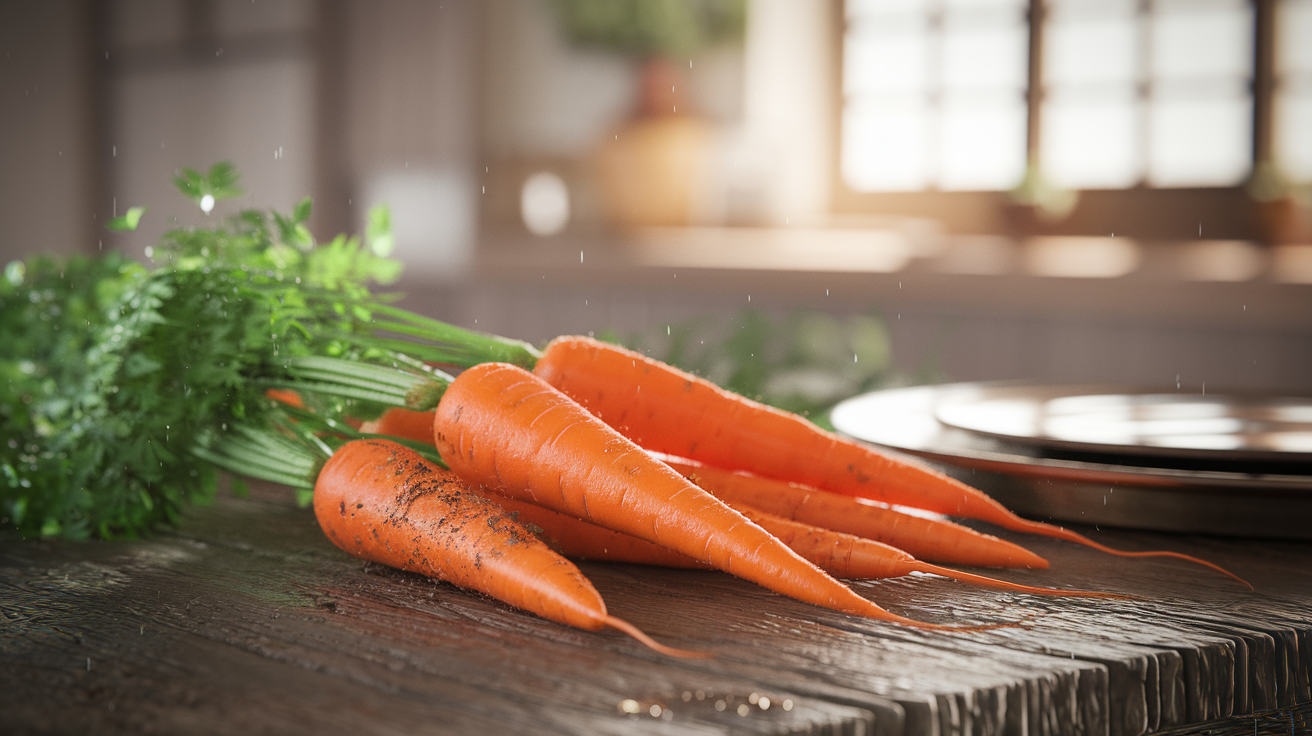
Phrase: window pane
(859, 9)
(1200, 142)
(1294, 135)
(884, 147)
(1092, 142)
(1294, 37)
(1091, 134)
(985, 56)
(1293, 123)
(982, 146)
(887, 59)
(1201, 40)
(1091, 48)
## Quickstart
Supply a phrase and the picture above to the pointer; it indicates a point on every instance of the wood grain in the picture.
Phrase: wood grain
(246, 620)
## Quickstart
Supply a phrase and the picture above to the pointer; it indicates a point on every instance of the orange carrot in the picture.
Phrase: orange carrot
(383, 502)
(500, 427)
(286, 396)
(848, 556)
(932, 540)
(581, 540)
(404, 423)
(667, 410)
(840, 555)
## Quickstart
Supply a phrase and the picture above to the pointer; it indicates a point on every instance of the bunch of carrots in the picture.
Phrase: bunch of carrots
(491, 479)
(602, 453)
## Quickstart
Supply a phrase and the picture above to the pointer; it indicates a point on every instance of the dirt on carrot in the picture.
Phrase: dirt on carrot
(501, 427)
(380, 501)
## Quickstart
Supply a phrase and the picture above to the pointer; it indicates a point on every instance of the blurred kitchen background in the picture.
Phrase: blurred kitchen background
(1055, 190)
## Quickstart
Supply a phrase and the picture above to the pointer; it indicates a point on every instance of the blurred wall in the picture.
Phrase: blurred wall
(408, 102)
(190, 84)
(48, 126)
(443, 109)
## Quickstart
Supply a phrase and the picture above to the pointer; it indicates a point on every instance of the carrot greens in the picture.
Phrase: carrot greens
(115, 375)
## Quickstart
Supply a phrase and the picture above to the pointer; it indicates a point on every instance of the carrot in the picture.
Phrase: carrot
(667, 410)
(286, 396)
(404, 423)
(932, 540)
(383, 502)
(849, 556)
(581, 540)
(840, 555)
(502, 428)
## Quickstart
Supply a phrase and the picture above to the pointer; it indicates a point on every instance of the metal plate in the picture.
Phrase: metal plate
(1036, 482)
(1155, 424)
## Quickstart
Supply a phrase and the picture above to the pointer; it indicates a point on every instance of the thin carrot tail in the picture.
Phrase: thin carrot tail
(1050, 530)
(988, 582)
(636, 633)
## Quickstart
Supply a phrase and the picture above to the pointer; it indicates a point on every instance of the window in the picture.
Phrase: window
(1293, 88)
(934, 94)
(1155, 93)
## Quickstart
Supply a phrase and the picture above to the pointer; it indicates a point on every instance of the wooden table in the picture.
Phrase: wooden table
(246, 620)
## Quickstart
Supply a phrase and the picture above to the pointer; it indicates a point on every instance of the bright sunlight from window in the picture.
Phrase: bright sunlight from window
(934, 94)
(1132, 93)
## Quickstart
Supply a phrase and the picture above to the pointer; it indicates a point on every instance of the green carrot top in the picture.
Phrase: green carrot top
(115, 376)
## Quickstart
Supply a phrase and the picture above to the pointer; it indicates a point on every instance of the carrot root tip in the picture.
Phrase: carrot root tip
(633, 631)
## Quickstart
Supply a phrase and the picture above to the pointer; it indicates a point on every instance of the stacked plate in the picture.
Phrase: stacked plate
(1236, 465)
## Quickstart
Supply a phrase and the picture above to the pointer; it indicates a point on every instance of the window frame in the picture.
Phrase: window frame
(1141, 211)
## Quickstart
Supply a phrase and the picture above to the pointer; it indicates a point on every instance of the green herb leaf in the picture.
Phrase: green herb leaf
(301, 212)
(219, 183)
(127, 221)
(378, 233)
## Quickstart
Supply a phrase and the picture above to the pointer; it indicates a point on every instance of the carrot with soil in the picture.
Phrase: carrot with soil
(667, 410)
(382, 502)
(502, 428)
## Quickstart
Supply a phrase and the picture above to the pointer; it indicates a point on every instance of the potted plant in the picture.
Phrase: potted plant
(1282, 206)
(651, 166)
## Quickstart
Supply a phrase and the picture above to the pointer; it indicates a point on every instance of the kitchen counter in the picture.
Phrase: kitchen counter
(245, 619)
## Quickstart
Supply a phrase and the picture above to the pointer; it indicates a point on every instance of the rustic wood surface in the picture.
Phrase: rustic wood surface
(246, 619)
